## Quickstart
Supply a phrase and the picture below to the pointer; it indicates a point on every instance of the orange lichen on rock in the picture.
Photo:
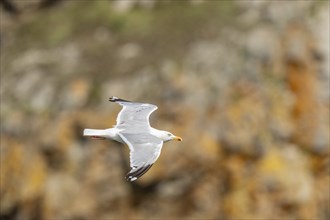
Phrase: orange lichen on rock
(302, 80)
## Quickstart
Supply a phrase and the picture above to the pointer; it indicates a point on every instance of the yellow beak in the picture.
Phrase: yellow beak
(177, 138)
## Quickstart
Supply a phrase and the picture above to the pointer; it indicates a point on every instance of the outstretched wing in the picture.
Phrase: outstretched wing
(144, 151)
(134, 116)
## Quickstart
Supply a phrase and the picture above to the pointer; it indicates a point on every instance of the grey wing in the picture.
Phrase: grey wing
(144, 151)
(133, 116)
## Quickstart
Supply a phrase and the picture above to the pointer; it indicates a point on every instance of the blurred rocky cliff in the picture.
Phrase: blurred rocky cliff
(245, 83)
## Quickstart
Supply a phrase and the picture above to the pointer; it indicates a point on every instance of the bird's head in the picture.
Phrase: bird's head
(168, 136)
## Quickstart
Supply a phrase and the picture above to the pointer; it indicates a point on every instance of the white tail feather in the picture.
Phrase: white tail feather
(94, 132)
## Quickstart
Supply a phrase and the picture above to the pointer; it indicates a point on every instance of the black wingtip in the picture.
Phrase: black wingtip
(116, 99)
(134, 175)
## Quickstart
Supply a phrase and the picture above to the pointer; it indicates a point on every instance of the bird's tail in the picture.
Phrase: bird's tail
(94, 132)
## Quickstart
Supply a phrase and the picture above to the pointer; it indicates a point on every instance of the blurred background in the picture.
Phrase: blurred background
(245, 83)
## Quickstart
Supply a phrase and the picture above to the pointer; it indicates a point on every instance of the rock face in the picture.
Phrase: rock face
(246, 84)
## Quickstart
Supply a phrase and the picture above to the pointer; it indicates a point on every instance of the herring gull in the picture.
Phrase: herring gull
(133, 128)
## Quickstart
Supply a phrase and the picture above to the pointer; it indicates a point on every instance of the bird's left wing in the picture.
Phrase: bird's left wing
(144, 151)
(134, 115)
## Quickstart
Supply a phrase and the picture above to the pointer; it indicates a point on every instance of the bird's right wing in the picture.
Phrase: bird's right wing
(144, 151)
(134, 116)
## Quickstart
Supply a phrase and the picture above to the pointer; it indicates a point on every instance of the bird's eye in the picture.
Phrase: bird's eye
(169, 135)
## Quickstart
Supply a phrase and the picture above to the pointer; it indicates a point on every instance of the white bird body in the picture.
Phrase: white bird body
(133, 129)
(113, 134)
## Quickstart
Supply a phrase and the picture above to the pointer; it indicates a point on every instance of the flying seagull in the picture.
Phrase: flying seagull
(133, 129)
